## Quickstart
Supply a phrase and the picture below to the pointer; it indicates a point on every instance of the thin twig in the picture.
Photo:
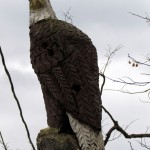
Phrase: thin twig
(16, 99)
(145, 18)
(131, 145)
(2, 141)
(138, 62)
(130, 82)
(67, 15)
(109, 56)
(127, 92)
(144, 145)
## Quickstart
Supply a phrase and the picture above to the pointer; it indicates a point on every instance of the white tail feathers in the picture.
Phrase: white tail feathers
(88, 139)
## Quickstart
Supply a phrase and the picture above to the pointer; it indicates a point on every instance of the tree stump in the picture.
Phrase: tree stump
(51, 139)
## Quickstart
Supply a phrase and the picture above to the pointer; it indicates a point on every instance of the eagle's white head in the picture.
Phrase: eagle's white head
(40, 9)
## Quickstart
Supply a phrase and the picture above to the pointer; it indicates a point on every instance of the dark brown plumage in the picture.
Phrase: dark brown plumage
(65, 61)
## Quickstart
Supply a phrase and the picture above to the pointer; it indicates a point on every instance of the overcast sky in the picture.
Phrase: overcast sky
(108, 24)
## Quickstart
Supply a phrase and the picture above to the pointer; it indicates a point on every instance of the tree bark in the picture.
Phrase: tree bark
(51, 139)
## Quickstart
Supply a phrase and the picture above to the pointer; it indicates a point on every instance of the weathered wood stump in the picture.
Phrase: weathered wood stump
(51, 139)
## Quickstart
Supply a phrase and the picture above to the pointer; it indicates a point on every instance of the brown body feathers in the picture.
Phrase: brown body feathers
(65, 61)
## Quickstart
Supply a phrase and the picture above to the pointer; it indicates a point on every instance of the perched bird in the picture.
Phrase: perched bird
(65, 61)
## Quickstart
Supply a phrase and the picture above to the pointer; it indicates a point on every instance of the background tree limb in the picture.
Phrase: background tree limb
(16, 99)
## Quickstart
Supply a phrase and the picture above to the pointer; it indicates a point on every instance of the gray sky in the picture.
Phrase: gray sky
(106, 23)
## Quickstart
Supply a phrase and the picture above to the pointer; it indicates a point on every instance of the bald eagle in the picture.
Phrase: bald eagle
(65, 62)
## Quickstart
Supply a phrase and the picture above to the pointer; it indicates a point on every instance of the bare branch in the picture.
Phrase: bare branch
(130, 82)
(2, 141)
(133, 93)
(109, 134)
(145, 18)
(138, 62)
(109, 56)
(68, 17)
(127, 92)
(144, 145)
(16, 99)
(131, 145)
(114, 138)
(103, 83)
(145, 74)
(121, 130)
(109, 114)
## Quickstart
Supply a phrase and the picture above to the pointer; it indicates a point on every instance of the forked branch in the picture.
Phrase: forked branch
(116, 125)
(121, 130)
